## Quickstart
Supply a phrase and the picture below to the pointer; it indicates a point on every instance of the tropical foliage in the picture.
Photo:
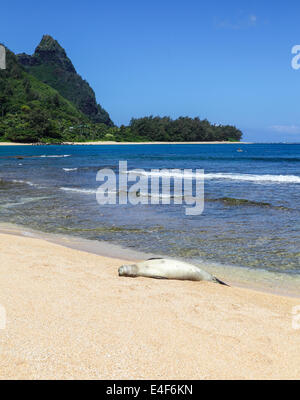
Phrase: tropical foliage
(50, 64)
(34, 111)
(182, 129)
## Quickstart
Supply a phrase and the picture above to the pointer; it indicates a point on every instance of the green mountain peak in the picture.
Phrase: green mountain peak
(30, 110)
(51, 65)
(49, 51)
(48, 43)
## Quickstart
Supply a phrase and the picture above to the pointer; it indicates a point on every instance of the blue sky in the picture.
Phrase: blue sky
(227, 61)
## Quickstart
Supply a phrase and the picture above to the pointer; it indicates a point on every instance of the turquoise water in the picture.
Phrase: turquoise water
(251, 217)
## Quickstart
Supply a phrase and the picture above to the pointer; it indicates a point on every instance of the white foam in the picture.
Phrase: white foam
(70, 169)
(85, 191)
(22, 202)
(26, 182)
(230, 176)
(160, 195)
(29, 183)
(255, 178)
(143, 194)
(55, 156)
(77, 190)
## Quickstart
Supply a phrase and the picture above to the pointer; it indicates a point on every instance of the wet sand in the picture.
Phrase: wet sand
(69, 316)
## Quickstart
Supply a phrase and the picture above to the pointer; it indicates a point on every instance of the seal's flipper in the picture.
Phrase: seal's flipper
(159, 277)
(221, 282)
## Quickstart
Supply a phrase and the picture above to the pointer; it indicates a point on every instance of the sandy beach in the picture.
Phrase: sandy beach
(115, 143)
(69, 316)
(15, 144)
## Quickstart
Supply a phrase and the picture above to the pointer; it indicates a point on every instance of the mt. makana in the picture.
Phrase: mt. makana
(43, 99)
(50, 64)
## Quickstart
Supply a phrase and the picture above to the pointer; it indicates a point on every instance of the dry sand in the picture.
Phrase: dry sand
(69, 315)
(14, 144)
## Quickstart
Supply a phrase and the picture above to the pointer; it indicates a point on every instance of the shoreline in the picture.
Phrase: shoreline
(70, 316)
(112, 143)
(261, 281)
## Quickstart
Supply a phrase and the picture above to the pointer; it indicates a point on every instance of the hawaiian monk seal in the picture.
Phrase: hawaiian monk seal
(162, 268)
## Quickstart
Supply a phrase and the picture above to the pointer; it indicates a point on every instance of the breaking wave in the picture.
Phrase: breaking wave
(222, 176)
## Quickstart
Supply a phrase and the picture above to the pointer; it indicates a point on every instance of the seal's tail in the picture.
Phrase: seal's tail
(221, 282)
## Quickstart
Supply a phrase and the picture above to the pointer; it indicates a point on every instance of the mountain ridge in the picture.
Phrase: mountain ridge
(51, 65)
(30, 110)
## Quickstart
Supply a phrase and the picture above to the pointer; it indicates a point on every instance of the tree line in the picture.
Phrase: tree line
(182, 129)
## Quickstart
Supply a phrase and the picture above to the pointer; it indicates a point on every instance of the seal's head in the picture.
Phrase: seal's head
(128, 270)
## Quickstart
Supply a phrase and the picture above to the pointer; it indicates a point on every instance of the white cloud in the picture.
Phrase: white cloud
(252, 19)
(245, 21)
(290, 129)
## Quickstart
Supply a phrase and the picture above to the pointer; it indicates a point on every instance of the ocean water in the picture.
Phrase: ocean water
(251, 217)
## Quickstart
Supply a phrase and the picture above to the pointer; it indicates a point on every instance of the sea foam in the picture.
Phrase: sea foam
(221, 176)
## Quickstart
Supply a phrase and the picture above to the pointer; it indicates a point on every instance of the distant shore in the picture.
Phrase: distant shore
(70, 316)
(113, 143)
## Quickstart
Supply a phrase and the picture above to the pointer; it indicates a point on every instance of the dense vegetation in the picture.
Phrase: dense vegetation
(33, 111)
(183, 129)
(50, 64)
